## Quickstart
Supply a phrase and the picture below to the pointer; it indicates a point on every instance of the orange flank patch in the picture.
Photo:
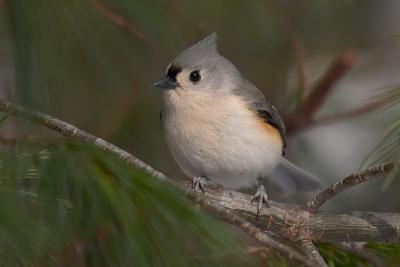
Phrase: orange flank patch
(270, 130)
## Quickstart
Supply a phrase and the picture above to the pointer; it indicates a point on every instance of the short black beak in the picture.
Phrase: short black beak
(166, 83)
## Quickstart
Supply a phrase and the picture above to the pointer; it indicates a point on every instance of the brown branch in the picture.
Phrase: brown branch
(351, 114)
(287, 223)
(293, 222)
(325, 85)
(303, 117)
(118, 20)
(227, 215)
(299, 59)
(346, 183)
(307, 247)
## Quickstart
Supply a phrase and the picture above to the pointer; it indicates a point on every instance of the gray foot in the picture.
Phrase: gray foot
(198, 184)
(261, 196)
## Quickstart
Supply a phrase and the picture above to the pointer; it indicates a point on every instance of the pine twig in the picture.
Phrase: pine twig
(346, 183)
(351, 114)
(118, 20)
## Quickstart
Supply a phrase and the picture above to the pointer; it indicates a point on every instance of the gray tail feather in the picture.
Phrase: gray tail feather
(289, 179)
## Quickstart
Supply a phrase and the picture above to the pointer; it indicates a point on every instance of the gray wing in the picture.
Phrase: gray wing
(262, 107)
(286, 177)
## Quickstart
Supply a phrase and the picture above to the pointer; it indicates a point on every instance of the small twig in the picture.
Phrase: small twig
(307, 247)
(358, 249)
(351, 114)
(299, 59)
(346, 183)
(118, 20)
(330, 119)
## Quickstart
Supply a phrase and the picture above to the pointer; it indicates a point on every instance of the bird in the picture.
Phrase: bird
(219, 127)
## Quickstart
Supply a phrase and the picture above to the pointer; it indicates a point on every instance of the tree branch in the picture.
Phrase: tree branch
(292, 222)
(346, 183)
(285, 222)
(299, 59)
(369, 107)
(307, 247)
(227, 215)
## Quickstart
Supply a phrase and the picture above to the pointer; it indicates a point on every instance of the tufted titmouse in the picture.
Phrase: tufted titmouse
(218, 125)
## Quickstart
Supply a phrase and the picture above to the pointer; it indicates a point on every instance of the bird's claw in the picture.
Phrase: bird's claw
(262, 197)
(198, 184)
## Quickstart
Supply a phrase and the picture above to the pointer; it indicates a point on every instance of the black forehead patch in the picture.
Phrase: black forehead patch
(173, 71)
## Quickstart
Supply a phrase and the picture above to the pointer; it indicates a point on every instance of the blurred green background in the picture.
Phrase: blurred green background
(92, 63)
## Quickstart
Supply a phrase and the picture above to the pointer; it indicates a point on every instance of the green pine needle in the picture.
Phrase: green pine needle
(64, 203)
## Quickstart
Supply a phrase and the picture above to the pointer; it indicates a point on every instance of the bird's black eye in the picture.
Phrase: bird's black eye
(195, 76)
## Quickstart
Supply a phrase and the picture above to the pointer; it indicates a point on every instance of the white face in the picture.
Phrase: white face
(192, 79)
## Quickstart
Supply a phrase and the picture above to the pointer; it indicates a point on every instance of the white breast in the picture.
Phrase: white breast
(218, 138)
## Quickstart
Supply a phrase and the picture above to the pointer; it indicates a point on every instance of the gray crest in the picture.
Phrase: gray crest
(198, 54)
